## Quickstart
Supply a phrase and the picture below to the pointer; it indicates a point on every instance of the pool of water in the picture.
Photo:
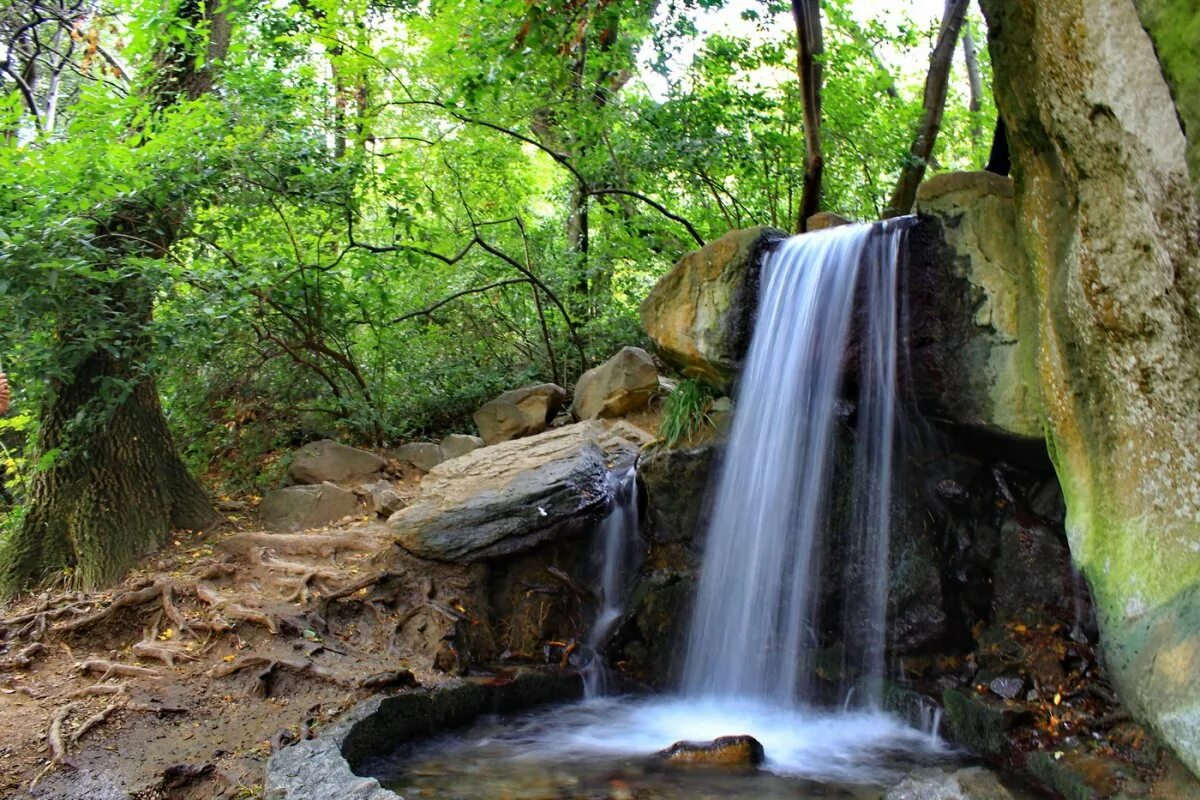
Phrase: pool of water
(604, 749)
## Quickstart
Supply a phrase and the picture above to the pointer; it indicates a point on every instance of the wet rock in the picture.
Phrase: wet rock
(422, 455)
(967, 351)
(677, 484)
(622, 384)
(459, 444)
(301, 507)
(328, 460)
(519, 412)
(720, 413)
(510, 497)
(1007, 687)
(700, 313)
(980, 722)
(724, 751)
(973, 783)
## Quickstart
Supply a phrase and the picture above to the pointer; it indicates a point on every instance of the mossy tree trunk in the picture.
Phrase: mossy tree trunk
(111, 485)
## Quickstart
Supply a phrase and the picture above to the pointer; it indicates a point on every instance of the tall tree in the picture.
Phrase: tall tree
(809, 49)
(112, 484)
(933, 106)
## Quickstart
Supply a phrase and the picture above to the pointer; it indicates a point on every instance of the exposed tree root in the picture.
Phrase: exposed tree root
(262, 681)
(164, 653)
(22, 659)
(54, 738)
(233, 609)
(319, 545)
(110, 668)
(98, 689)
(95, 719)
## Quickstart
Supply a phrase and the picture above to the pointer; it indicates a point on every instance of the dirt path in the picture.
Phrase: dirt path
(179, 683)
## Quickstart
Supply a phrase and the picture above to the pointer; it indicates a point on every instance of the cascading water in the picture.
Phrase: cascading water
(617, 532)
(753, 629)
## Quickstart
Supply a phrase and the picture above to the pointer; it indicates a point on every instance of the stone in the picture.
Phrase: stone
(422, 455)
(385, 500)
(301, 507)
(459, 444)
(980, 722)
(677, 484)
(724, 751)
(825, 219)
(519, 412)
(699, 315)
(970, 330)
(720, 414)
(327, 460)
(624, 383)
(1113, 276)
(1008, 686)
(510, 497)
(932, 783)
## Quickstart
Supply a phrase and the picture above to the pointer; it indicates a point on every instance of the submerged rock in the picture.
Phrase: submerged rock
(724, 751)
(973, 783)
(699, 315)
(519, 412)
(328, 460)
(300, 507)
(510, 497)
(622, 384)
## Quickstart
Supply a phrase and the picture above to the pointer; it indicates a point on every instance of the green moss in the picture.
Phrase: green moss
(1057, 777)
(974, 723)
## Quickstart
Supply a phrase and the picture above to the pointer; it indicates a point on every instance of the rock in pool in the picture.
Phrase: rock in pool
(725, 751)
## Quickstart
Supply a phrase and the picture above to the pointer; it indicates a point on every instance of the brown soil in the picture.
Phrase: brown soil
(180, 682)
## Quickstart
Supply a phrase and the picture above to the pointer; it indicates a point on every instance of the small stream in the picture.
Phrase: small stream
(603, 748)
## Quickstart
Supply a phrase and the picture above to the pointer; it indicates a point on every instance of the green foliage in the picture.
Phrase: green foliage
(376, 222)
(685, 412)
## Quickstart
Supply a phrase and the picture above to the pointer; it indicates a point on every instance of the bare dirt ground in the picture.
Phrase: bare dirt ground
(181, 681)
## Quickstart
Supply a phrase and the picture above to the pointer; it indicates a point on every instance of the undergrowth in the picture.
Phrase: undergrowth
(685, 411)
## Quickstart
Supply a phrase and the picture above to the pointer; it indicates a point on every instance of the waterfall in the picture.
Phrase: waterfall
(754, 629)
(617, 533)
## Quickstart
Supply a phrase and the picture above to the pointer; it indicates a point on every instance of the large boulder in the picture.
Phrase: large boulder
(699, 315)
(519, 412)
(970, 329)
(328, 460)
(1107, 215)
(622, 384)
(677, 484)
(301, 507)
(510, 497)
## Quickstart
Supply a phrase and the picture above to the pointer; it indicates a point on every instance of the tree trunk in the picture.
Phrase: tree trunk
(974, 80)
(809, 49)
(913, 171)
(111, 485)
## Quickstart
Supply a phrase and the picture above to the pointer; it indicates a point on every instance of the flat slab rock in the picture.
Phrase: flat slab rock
(515, 495)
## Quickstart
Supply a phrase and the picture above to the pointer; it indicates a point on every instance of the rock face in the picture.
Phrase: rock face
(968, 323)
(519, 412)
(422, 455)
(724, 751)
(622, 384)
(1106, 221)
(973, 783)
(508, 498)
(328, 460)
(459, 444)
(300, 507)
(699, 315)
(677, 484)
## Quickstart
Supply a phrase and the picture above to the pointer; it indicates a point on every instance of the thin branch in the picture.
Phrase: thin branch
(653, 204)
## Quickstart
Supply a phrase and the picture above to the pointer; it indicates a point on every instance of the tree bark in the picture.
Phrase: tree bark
(936, 81)
(809, 49)
(974, 80)
(111, 485)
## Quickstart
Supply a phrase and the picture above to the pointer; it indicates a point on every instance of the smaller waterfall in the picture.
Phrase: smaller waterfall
(617, 534)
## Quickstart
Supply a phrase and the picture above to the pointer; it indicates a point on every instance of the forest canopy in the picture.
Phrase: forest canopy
(363, 219)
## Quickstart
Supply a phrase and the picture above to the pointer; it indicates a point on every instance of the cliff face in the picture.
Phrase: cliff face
(1107, 222)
